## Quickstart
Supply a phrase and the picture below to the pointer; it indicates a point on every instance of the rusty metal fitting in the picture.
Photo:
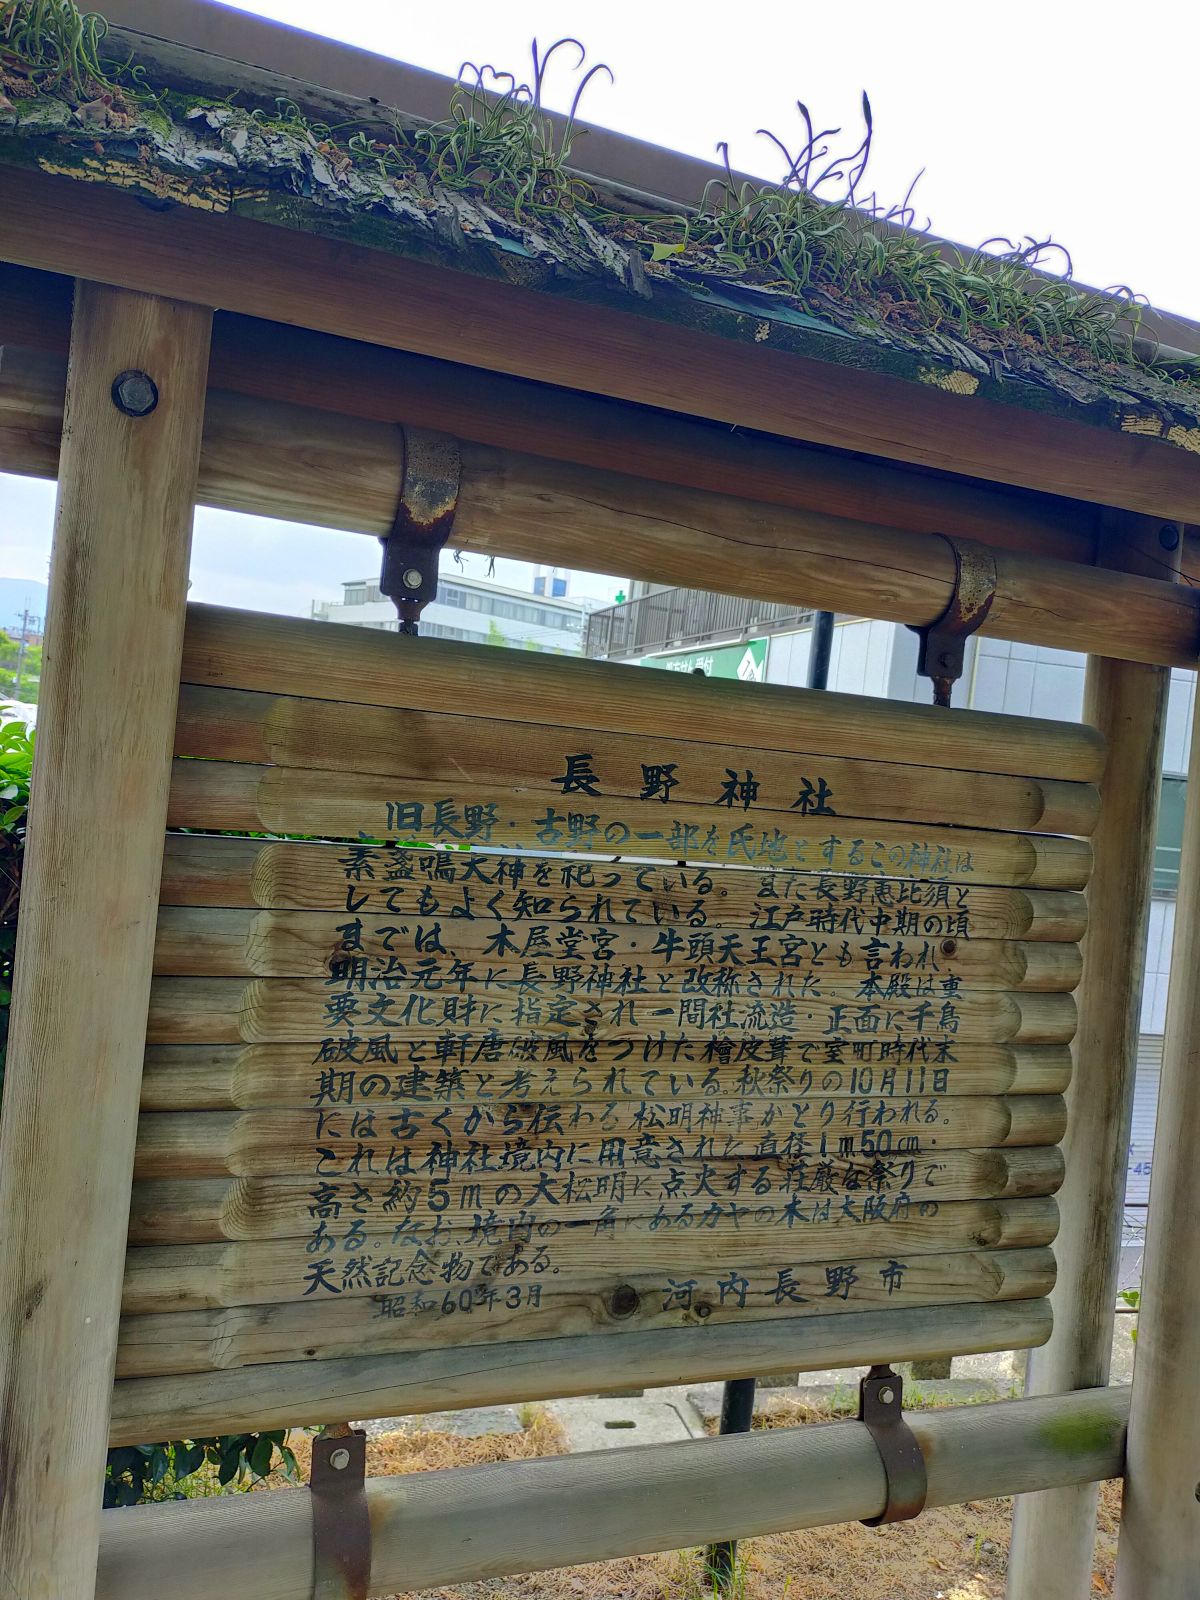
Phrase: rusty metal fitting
(880, 1408)
(943, 642)
(424, 518)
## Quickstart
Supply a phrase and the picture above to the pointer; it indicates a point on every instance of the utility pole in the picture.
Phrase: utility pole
(26, 617)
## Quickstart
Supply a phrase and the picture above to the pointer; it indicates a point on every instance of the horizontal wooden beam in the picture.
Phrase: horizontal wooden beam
(208, 1210)
(232, 1010)
(459, 748)
(437, 1528)
(253, 358)
(256, 269)
(205, 870)
(195, 1077)
(234, 1273)
(326, 468)
(446, 1376)
(302, 944)
(608, 1307)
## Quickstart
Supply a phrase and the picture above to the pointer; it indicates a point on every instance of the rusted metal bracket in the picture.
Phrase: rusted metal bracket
(341, 1521)
(944, 641)
(880, 1402)
(424, 518)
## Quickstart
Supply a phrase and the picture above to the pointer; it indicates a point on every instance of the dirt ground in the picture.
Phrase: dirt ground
(953, 1553)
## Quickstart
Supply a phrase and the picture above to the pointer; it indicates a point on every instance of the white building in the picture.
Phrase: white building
(474, 610)
(675, 628)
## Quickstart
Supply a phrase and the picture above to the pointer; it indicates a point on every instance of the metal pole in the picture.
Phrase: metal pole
(737, 1416)
(819, 650)
(737, 1399)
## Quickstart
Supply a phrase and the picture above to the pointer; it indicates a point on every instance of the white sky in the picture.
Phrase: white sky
(1058, 119)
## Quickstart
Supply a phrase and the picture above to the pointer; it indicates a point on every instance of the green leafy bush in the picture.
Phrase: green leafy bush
(16, 761)
(190, 1468)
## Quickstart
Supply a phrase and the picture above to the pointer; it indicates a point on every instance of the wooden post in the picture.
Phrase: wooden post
(92, 864)
(1159, 1553)
(1054, 1533)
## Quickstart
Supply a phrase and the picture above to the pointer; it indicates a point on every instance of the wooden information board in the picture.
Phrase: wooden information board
(691, 1001)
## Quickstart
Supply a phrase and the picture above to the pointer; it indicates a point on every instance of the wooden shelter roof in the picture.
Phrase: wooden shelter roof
(257, 200)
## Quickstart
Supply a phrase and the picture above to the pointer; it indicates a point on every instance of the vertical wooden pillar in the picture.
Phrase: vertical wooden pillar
(1054, 1532)
(1159, 1553)
(118, 584)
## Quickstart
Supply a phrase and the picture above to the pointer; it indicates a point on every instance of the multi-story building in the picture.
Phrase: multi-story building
(471, 609)
(683, 629)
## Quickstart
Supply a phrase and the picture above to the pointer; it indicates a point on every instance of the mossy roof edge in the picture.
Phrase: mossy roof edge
(198, 151)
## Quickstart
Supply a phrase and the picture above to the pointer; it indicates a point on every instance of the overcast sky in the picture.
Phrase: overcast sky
(1056, 119)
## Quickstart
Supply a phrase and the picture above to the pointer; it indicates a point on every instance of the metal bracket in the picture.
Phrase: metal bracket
(424, 517)
(341, 1521)
(944, 641)
(880, 1403)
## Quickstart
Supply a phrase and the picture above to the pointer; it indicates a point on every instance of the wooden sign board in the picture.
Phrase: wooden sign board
(581, 999)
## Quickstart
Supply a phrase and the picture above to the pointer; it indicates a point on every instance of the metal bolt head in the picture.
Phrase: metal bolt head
(135, 393)
(412, 578)
(703, 1309)
(887, 1396)
(339, 1460)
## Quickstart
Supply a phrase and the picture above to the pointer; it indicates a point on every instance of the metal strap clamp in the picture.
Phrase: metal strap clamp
(944, 641)
(341, 1521)
(880, 1403)
(424, 517)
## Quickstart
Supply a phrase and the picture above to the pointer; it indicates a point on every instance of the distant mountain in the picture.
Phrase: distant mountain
(15, 595)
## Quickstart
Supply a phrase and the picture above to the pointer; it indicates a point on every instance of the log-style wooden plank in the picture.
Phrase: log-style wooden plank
(193, 1277)
(205, 1144)
(91, 873)
(384, 300)
(201, 942)
(192, 1077)
(285, 1010)
(441, 1528)
(240, 797)
(232, 1399)
(211, 871)
(158, 1343)
(290, 731)
(207, 1210)
(288, 655)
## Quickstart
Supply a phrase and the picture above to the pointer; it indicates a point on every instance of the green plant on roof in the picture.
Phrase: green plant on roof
(820, 236)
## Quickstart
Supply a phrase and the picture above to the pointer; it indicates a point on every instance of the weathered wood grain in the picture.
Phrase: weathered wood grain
(233, 1398)
(283, 1010)
(199, 1276)
(114, 632)
(287, 655)
(266, 1143)
(210, 871)
(264, 453)
(441, 1528)
(243, 265)
(450, 746)
(191, 1077)
(240, 797)
(195, 942)
(1054, 1534)
(178, 1341)
(207, 1210)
